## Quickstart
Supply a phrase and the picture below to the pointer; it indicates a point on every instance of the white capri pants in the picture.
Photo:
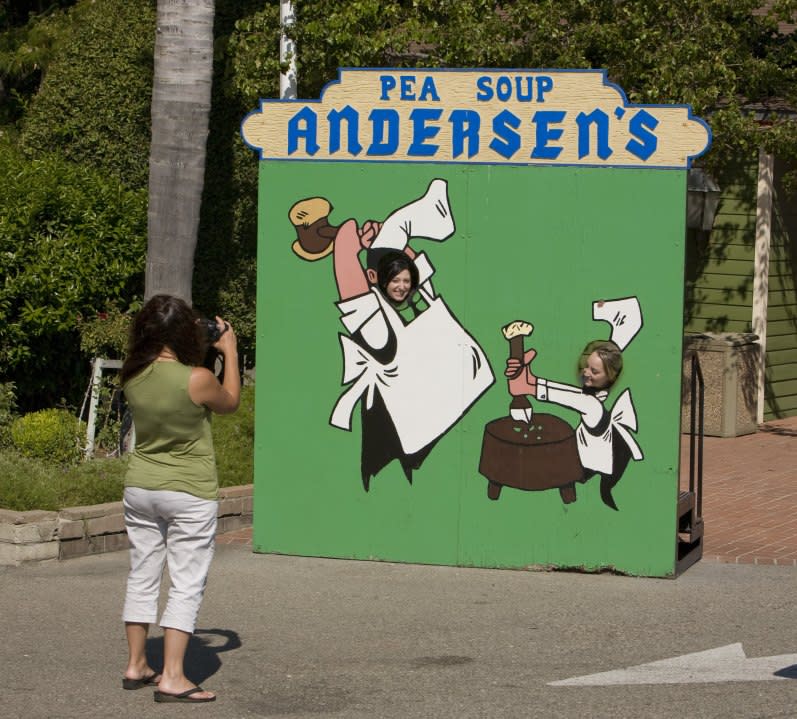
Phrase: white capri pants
(176, 528)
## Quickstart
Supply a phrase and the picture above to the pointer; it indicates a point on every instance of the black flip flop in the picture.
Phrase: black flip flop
(184, 697)
(140, 683)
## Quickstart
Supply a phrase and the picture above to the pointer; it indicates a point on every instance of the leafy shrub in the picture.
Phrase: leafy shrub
(105, 334)
(94, 101)
(26, 48)
(49, 434)
(8, 411)
(71, 241)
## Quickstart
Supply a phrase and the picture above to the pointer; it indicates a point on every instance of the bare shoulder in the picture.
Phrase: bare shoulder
(205, 389)
(202, 384)
(201, 376)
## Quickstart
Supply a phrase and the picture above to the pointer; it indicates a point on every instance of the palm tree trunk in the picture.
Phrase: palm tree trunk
(181, 92)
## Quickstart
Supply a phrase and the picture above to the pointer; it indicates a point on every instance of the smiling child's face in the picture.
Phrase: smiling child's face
(594, 374)
(399, 287)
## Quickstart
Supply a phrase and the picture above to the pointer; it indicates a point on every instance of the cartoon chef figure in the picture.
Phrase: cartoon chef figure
(604, 440)
(409, 363)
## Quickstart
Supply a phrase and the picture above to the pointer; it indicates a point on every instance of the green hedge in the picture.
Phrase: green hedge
(93, 105)
(72, 242)
(27, 483)
(49, 434)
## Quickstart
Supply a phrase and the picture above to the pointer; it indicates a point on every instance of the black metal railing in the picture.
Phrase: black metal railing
(696, 435)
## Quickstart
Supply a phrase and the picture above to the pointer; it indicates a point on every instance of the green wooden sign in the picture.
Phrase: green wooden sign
(471, 422)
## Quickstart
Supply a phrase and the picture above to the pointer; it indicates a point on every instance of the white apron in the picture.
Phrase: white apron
(595, 452)
(438, 372)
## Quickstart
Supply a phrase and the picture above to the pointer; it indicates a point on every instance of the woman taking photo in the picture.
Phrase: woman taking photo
(171, 486)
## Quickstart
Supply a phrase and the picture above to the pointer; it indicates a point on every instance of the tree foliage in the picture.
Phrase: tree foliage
(726, 58)
(72, 241)
(27, 43)
(76, 76)
(93, 105)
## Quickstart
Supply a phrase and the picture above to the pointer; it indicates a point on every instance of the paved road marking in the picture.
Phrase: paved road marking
(723, 664)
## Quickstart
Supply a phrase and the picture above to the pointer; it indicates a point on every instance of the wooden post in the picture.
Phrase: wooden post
(288, 84)
(98, 365)
(763, 233)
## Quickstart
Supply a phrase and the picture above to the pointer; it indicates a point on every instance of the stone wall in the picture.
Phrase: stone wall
(78, 531)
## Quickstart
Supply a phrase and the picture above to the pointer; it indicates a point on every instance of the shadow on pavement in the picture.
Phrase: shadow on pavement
(202, 657)
(787, 672)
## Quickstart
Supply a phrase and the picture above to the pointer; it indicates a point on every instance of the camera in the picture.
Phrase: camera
(211, 330)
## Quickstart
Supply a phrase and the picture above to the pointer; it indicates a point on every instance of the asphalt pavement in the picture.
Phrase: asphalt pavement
(301, 637)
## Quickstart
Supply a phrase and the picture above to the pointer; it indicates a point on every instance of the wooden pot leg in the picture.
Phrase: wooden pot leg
(568, 493)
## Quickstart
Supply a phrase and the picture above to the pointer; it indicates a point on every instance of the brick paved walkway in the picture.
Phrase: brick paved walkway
(749, 496)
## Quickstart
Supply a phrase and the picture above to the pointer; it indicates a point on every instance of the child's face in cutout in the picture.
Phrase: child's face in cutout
(399, 287)
(594, 373)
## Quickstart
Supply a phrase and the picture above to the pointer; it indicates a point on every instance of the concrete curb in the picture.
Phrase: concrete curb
(77, 531)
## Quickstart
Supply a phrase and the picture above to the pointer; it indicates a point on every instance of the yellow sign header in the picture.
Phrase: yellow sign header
(487, 116)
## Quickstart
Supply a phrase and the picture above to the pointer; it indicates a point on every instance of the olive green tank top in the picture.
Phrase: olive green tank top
(174, 446)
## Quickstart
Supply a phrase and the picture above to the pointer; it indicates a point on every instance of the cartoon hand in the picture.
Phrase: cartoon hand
(520, 379)
(368, 233)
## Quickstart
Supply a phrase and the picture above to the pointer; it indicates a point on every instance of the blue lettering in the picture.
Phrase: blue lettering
(303, 125)
(519, 87)
(639, 127)
(601, 120)
(429, 88)
(542, 120)
(379, 120)
(422, 132)
(407, 82)
(544, 84)
(522, 88)
(503, 88)
(465, 127)
(388, 83)
(485, 85)
(507, 141)
(352, 118)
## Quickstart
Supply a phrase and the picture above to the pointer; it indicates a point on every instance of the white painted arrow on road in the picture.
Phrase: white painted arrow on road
(723, 664)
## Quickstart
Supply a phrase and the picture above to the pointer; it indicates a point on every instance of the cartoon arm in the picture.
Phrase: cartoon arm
(567, 395)
(522, 381)
(349, 274)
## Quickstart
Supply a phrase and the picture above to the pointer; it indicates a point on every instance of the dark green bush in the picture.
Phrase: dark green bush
(93, 104)
(72, 243)
(49, 434)
(8, 412)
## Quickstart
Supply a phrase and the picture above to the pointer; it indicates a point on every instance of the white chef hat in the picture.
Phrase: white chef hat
(428, 216)
(624, 315)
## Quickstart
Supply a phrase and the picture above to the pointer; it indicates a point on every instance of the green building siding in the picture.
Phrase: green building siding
(720, 270)
(781, 366)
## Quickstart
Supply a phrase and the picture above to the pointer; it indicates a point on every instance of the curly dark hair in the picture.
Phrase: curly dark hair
(164, 321)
